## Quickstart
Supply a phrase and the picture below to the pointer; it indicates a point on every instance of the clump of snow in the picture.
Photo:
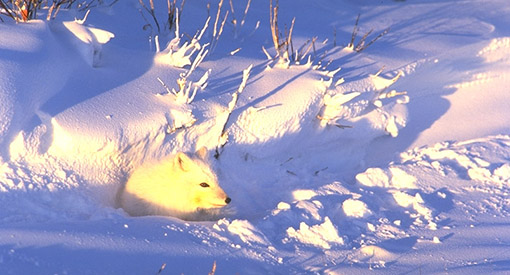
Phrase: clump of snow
(502, 173)
(324, 235)
(421, 207)
(243, 229)
(311, 207)
(393, 177)
(403, 199)
(303, 194)
(356, 208)
(373, 177)
(283, 206)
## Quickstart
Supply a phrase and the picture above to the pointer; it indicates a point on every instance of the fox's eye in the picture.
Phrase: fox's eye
(203, 184)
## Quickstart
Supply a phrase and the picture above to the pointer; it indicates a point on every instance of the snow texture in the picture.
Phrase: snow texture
(392, 160)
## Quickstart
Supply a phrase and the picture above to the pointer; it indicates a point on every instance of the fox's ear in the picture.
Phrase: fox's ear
(183, 161)
(202, 153)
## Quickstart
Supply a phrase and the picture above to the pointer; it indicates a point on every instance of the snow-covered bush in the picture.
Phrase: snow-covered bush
(378, 105)
(181, 55)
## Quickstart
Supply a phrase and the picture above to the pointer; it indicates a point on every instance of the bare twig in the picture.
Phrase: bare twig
(273, 21)
(50, 11)
(269, 57)
(172, 15)
(361, 42)
(223, 139)
(245, 12)
(220, 4)
(25, 10)
(21, 10)
(213, 270)
(168, 90)
(313, 46)
(354, 31)
(375, 39)
(238, 24)
(151, 12)
(8, 11)
(217, 32)
(334, 37)
(283, 45)
(309, 44)
(361, 45)
(328, 121)
(289, 37)
(234, 20)
(161, 268)
(220, 31)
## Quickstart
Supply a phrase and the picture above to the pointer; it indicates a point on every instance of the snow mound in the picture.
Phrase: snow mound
(336, 161)
(88, 41)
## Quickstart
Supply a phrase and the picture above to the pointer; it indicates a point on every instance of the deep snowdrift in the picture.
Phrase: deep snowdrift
(394, 159)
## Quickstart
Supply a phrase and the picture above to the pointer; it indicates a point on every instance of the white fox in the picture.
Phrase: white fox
(180, 186)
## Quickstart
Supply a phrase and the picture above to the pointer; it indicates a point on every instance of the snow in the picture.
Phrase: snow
(88, 40)
(321, 235)
(392, 160)
(355, 208)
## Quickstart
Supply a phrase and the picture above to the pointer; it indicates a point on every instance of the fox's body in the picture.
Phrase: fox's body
(179, 186)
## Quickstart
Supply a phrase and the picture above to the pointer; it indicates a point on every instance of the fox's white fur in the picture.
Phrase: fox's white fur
(179, 186)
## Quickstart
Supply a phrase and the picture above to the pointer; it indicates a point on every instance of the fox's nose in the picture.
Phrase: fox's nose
(228, 200)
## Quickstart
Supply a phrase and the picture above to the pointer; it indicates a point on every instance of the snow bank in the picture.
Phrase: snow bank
(334, 165)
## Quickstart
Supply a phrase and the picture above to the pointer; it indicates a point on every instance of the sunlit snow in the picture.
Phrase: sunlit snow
(395, 159)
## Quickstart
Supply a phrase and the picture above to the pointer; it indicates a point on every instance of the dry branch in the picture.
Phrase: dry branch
(213, 270)
(151, 12)
(361, 45)
(354, 32)
(282, 44)
(223, 139)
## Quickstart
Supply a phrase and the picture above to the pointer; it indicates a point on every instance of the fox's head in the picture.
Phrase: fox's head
(196, 184)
